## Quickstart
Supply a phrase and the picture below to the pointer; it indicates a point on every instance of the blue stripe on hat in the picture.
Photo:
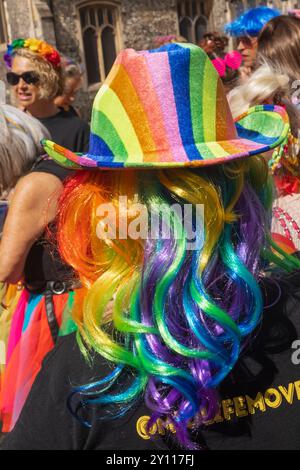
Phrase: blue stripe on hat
(248, 134)
(99, 149)
(180, 73)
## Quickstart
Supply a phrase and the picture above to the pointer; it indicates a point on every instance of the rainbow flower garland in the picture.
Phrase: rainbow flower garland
(35, 45)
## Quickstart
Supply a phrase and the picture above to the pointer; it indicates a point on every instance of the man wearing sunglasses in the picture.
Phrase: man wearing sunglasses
(246, 29)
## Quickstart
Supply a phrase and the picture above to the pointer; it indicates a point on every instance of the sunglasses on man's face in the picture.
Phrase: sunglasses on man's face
(31, 78)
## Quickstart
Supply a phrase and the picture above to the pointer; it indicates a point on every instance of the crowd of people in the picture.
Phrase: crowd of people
(153, 339)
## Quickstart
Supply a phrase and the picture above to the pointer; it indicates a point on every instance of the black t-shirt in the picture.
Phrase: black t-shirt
(260, 399)
(68, 130)
(43, 262)
(73, 111)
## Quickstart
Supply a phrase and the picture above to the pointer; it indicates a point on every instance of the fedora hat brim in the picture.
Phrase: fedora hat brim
(260, 130)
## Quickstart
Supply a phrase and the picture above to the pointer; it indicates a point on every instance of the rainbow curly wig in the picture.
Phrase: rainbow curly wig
(251, 22)
(172, 319)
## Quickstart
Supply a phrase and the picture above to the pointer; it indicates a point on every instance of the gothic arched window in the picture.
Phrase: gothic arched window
(192, 19)
(99, 26)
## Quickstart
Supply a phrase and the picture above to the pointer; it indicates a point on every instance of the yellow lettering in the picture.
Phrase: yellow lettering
(228, 409)
(288, 393)
(258, 403)
(217, 419)
(272, 392)
(240, 407)
(297, 388)
(142, 428)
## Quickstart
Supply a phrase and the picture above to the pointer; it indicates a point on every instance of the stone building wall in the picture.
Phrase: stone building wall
(218, 15)
(142, 20)
(19, 18)
(44, 21)
(66, 29)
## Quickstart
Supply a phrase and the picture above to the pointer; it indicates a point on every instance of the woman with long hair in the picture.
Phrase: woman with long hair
(173, 238)
(246, 29)
(267, 86)
(278, 46)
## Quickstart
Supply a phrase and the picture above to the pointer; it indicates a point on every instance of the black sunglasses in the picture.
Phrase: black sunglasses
(31, 78)
(247, 40)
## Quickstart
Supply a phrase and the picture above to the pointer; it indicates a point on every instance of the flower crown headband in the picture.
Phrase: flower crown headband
(35, 45)
(233, 60)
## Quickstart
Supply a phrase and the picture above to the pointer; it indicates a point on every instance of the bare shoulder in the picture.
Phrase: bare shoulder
(37, 187)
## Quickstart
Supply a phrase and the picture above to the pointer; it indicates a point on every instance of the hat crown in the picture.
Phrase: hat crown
(159, 106)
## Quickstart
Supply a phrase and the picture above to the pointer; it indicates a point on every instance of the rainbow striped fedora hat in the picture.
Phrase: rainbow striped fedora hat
(167, 108)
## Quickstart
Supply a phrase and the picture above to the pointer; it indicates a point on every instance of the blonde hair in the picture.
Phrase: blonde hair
(51, 82)
(20, 145)
(263, 84)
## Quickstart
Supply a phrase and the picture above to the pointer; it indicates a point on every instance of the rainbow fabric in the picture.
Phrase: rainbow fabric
(27, 341)
(168, 108)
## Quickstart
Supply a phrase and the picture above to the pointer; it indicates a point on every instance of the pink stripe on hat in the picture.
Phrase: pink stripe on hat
(142, 81)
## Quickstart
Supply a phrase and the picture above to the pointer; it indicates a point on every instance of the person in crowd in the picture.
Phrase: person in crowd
(267, 86)
(214, 44)
(226, 64)
(208, 44)
(278, 46)
(28, 256)
(72, 73)
(20, 146)
(246, 29)
(228, 68)
(36, 77)
(20, 149)
(222, 43)
(187, 292)
(264, 87)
